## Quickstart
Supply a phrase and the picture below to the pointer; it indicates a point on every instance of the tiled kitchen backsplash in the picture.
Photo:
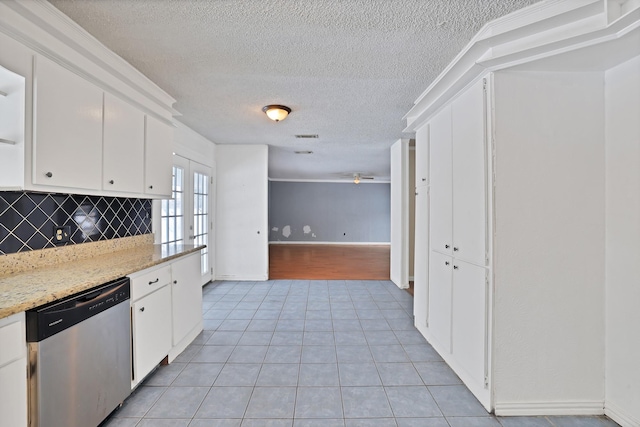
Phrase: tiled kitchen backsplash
(27, 220)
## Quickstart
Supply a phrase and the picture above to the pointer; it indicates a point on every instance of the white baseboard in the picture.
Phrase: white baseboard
(549, 408)
(242, 278)
(401, 285)
(278, 242)
(618, 415)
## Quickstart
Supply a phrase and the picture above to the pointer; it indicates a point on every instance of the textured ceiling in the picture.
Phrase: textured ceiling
(349, 69)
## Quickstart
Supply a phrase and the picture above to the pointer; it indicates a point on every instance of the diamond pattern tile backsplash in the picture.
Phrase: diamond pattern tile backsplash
(27, 220)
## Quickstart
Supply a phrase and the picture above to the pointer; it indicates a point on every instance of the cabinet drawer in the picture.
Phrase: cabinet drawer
(12, 338)
(147, 281)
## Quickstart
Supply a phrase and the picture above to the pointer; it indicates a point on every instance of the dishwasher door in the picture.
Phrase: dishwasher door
(80, 375)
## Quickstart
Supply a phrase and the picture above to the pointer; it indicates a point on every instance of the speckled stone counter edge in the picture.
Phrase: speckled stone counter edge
(38, 285)
(24, 261)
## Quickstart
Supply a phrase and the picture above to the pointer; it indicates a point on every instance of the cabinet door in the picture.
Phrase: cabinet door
(123, 146)
(157, 157)
(469, 178)
(422, 156)
(469, 319)
(421, 257)
(440, 267)
(440, 230)
(151, 331)
(13, 371)
(67, 131)
(186, 295)
(13, 389)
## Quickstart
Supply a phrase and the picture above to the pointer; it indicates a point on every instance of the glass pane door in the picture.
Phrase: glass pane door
(201, 216)
(172, 211)
(186, 217)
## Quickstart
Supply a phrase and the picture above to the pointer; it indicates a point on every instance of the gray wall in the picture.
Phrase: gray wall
(329, 212)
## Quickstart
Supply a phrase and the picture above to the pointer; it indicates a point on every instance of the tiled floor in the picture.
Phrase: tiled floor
(312, 354)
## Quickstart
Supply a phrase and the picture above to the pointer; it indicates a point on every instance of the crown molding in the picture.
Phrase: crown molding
(55, 28)
(542, 30)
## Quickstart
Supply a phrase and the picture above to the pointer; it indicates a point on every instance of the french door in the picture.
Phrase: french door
(187, 217)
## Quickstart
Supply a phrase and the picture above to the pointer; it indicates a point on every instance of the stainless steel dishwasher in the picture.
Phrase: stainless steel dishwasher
(80, 357)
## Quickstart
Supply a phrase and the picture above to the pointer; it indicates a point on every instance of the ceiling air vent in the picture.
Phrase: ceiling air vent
(308, 136)
(303, 152)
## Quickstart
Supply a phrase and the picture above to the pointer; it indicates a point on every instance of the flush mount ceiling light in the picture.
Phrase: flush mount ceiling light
(276, 112)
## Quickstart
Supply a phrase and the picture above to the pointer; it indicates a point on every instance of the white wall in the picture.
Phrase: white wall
(193, 146)
(549, 243)
(399, 267)
(242, 212)
(622, 89)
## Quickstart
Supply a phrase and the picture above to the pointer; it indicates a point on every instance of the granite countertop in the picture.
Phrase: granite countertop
(28, 289)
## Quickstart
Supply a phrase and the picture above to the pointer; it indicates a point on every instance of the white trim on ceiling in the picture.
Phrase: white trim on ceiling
(335, 181)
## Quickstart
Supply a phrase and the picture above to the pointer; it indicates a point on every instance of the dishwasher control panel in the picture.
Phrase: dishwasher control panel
(49, 319)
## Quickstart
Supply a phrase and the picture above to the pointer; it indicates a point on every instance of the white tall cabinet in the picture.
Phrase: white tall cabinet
(242, 248)
(400, 187)
(458, 277)
(421, 229)
(520, 216)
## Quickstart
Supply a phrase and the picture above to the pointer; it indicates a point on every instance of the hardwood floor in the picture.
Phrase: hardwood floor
(329, 262)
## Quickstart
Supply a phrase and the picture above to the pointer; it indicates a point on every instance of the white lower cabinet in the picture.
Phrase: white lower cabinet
(166, 312)
(421, 255)
(468, 323)
(439, 320)
(13, 372)
(151, 331)
(186, 301)
(457, 323)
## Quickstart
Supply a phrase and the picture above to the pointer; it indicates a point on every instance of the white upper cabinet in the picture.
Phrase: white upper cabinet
(157, 157)
(123, 146)
(458, 178)
(73, 118)
(469, 177)
(422, 156)
(67, 134)
(441, 219)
